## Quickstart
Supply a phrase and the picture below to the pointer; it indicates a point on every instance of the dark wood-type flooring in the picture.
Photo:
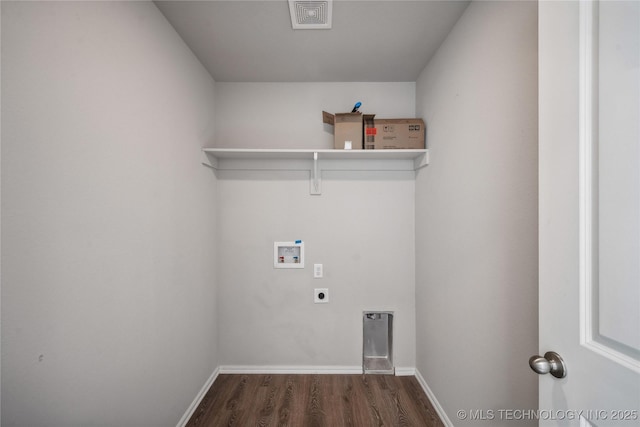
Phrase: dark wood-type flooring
(315, 401)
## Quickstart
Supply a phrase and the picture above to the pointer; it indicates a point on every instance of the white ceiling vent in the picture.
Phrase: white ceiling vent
(311, 15)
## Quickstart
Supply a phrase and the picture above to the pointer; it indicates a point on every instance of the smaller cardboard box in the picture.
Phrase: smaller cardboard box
(395, 134)
(347, 127)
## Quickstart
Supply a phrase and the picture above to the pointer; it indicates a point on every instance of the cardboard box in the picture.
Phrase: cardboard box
(347, 127)
(395, 134)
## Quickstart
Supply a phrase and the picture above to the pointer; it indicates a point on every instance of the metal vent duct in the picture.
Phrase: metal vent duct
(311, 15)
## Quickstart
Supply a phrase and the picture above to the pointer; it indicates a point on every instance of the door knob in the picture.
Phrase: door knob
(551, 363)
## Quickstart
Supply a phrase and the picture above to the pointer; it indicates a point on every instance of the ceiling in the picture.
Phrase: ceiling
(371, 41)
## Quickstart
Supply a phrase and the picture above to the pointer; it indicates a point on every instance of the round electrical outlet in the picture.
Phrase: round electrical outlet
(320, 295)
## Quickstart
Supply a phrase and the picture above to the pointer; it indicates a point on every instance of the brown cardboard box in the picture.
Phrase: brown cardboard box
(395, 134)
(347, 127)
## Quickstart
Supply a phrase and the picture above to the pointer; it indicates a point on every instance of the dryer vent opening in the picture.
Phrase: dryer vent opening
(377, 355)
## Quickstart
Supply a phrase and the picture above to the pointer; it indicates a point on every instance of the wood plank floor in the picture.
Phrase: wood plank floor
(315, 401)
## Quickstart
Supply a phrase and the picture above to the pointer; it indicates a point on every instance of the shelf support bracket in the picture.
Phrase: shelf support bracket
(314, 188)
(209, 161)
(421, 161)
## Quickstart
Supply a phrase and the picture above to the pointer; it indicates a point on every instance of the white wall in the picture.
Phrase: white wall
(476, 213)
(361, 229)
(289, 115)
(108, 218)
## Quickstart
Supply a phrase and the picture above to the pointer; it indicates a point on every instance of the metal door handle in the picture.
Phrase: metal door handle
(551, 363)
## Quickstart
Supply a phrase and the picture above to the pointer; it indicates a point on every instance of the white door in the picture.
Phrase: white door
(589, 223)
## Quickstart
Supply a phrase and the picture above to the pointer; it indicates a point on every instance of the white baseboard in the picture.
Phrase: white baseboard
(194, 405)
(436, 405)
(405, 372)
(278, 369)
(266, 369)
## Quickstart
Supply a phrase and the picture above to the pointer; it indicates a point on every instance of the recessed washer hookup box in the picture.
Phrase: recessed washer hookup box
(395, 134)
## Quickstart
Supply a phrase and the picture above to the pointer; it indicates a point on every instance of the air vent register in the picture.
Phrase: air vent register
(310, 15)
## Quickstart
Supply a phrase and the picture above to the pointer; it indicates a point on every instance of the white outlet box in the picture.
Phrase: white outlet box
(321, 295)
